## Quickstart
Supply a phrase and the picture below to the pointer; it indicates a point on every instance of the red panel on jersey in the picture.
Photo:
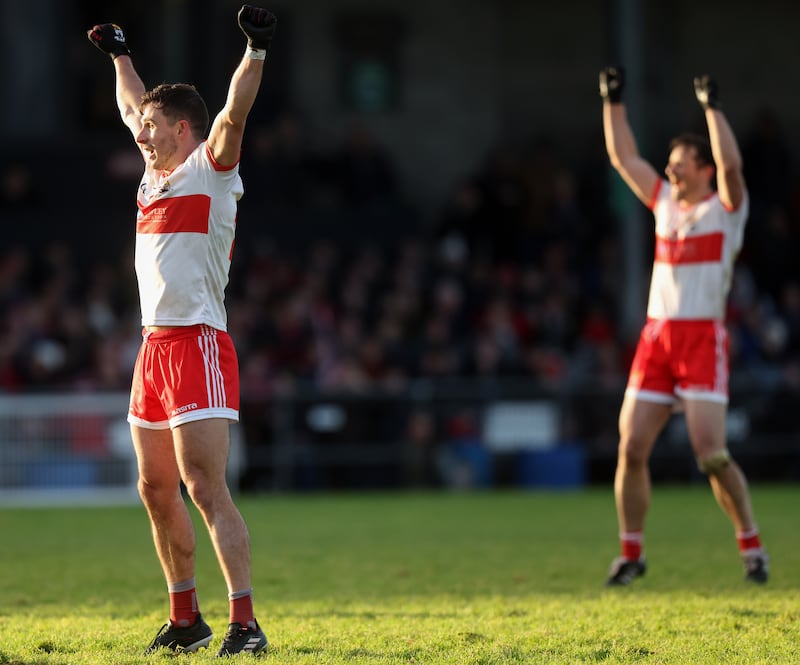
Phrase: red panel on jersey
(180, 214)
(694, 249)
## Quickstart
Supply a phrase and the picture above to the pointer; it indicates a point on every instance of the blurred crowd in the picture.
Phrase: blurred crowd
(341, 283)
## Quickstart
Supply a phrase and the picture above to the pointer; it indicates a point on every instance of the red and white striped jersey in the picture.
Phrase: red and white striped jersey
(184, 239)
(696, 247)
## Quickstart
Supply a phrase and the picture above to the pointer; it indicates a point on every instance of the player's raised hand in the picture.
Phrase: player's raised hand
(259, 26)
(612, 81)
(109, 38)
(707, 92)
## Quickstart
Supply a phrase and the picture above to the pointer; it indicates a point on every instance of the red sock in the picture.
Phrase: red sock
(183, 603)
(241, 610)
(748, 540)
(631, 545)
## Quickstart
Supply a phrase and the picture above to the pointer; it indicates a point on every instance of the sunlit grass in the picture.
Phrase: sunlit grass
(416, 578)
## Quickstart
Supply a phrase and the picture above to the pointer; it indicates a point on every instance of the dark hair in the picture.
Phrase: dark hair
(179, 101)
(700, 144)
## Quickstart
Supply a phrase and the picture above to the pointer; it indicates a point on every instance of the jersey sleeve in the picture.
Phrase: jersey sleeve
(656, 192)
(219, 179)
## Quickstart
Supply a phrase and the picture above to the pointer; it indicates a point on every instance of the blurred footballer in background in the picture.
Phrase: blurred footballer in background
(185, 390)
(682, 355)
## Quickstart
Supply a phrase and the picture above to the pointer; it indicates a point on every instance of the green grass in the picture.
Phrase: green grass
(479, 578)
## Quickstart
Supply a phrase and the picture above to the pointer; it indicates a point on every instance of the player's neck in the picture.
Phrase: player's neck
(695, 197)
(182, 154)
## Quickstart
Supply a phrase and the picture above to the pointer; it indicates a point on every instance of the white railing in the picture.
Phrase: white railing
(57, 448)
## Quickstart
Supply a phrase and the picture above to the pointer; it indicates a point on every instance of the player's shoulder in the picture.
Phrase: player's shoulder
(199, 162)
(202, 158)
(741, 209)
(661, 194)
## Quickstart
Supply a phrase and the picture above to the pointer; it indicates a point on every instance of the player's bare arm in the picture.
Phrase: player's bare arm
(621, 146)
(727, 157)
(227, 130)
(110, 39)
(129, 91)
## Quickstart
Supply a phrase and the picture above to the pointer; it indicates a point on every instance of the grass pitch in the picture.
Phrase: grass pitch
(484, 578)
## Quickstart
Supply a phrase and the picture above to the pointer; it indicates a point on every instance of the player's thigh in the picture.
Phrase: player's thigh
(155, 456)
(640, 423)
(705, 422)
(201, 448)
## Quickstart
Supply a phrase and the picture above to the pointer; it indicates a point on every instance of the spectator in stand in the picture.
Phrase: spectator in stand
(463, 223)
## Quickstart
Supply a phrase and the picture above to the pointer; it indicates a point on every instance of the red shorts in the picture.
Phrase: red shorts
(184, 374)
(680, 359)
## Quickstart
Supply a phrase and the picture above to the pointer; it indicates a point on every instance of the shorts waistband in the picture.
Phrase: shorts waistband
(179, 332)
(685, 322)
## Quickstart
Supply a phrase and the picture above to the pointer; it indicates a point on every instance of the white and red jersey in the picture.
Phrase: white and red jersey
(184, 239)
(696, 247)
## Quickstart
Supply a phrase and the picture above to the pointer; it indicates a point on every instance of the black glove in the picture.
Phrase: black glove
(259, 26)
(612, 80)
(109, 38)
(707, 92)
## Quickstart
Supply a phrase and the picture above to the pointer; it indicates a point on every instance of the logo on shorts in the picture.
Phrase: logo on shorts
(184, 408)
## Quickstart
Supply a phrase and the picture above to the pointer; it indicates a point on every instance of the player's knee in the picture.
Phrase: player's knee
(154, 497)
(631, 460)
(206, 494)
(632, 451)
(714, 463)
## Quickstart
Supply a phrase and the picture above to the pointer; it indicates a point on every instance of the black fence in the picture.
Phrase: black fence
(474, 434)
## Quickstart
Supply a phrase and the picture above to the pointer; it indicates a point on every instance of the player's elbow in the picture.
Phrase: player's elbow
(615, 161)
(731, 168)
(129, 114)
(233, 121)
(619, 163)
(616, 156)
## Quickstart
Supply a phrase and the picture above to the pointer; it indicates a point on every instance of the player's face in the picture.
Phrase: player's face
(158, 139)
(689, 180)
